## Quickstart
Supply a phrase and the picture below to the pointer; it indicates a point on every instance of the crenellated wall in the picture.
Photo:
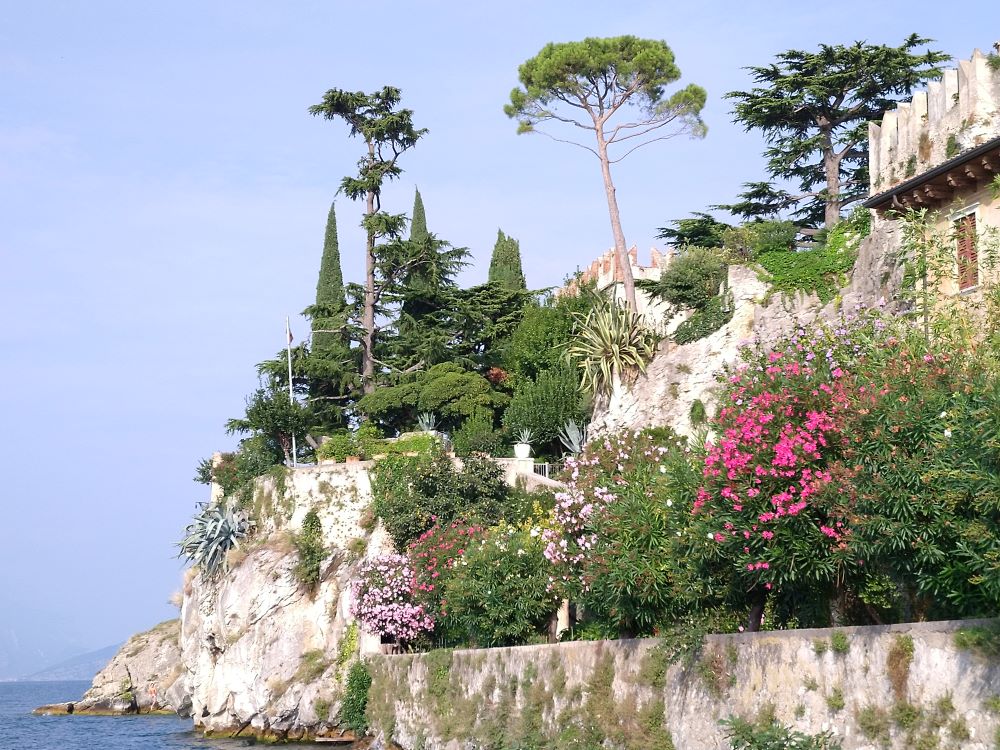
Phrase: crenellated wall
(605, 273)
(957, 112)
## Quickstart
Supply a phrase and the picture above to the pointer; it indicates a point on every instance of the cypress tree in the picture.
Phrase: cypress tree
(330, 284)
(418, 221)
(329, 366)
(505, 265)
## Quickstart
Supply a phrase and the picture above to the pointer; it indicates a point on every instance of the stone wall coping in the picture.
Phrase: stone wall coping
(626, 644)
(930, 626)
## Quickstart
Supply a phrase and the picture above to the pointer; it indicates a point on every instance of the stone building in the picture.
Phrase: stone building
(941, 152)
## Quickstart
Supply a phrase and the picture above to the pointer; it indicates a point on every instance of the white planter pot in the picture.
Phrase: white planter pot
(522, 450)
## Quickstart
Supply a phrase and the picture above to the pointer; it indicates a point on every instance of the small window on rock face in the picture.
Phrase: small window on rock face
(968, 258)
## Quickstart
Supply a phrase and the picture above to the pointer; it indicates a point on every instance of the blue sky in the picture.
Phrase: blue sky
(163, 193)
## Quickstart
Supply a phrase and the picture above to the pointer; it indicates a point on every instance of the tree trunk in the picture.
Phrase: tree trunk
(368, 313)
(621, 251)
(756, 610)
(831, 168)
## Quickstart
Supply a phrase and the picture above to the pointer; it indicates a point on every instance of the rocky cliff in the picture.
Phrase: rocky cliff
(680, 374)
(144, 676)
(264, 655)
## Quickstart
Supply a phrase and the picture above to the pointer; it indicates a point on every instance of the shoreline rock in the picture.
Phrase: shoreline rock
(144, 677)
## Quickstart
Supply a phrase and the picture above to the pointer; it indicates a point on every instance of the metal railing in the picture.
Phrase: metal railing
(548, 470)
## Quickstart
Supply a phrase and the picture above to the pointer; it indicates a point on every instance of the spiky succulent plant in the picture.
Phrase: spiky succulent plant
(573, 436)
(215, 529)
(525, 436)
(611, 342)
(427, 422)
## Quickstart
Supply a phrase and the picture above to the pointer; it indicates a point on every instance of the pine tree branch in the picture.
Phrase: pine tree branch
(644, 143)
(563, 140)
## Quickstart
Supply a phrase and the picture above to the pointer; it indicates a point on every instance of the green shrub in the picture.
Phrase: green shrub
(983, 641)
(698, 414)
(705, 321)
(235, 472)
(839, 642)
(633, 553)
(337, 447)
(419, 443)
(958, 729)
(835, 700)
(321, 707)
(905, 715)
(312, 551)
(368, 439)
(767, 734)
(499, 595)
(477, 435)
(544, 405)
(751, 240)
(410, 492)
(538, 341)
(897, 665)
(691, 279)
(355, 703)
(874, 723)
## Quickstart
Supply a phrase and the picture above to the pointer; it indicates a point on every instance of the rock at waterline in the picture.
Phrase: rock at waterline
(145, 676)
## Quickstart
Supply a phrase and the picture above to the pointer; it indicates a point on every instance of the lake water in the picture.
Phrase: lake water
(20, 730)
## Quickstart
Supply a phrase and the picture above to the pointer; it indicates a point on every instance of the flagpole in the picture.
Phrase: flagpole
(291, 393)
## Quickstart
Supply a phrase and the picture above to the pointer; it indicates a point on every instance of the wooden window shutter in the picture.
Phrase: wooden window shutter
(968, 258)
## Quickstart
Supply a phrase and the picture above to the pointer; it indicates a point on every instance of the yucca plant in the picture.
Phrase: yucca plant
(525, 436)
(427, 422)
(611, 342)
(573, 436)
(215, 529)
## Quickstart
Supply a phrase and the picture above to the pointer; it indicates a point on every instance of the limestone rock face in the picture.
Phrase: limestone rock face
(263, 655)
(143, 676)
(680, 374)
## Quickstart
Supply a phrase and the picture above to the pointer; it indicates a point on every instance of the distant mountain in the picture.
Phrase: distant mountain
(27, 649)
(82, 667)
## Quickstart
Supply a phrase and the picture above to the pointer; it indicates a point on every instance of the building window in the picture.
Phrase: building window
(968, 258)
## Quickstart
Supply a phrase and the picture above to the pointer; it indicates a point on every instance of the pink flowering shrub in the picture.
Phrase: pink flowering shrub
(433, 556)
(770, 509)
(383, 599)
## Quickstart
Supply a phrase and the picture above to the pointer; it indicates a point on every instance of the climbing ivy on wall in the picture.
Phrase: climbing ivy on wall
(821, 272)
(355, 705)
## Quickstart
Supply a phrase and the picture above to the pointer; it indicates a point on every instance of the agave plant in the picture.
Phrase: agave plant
(427, 422)
(525, 436)
(612, 342)
(215, 529)
(573, 436)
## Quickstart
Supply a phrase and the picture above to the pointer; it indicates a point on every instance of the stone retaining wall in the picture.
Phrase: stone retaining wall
(856, 682)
